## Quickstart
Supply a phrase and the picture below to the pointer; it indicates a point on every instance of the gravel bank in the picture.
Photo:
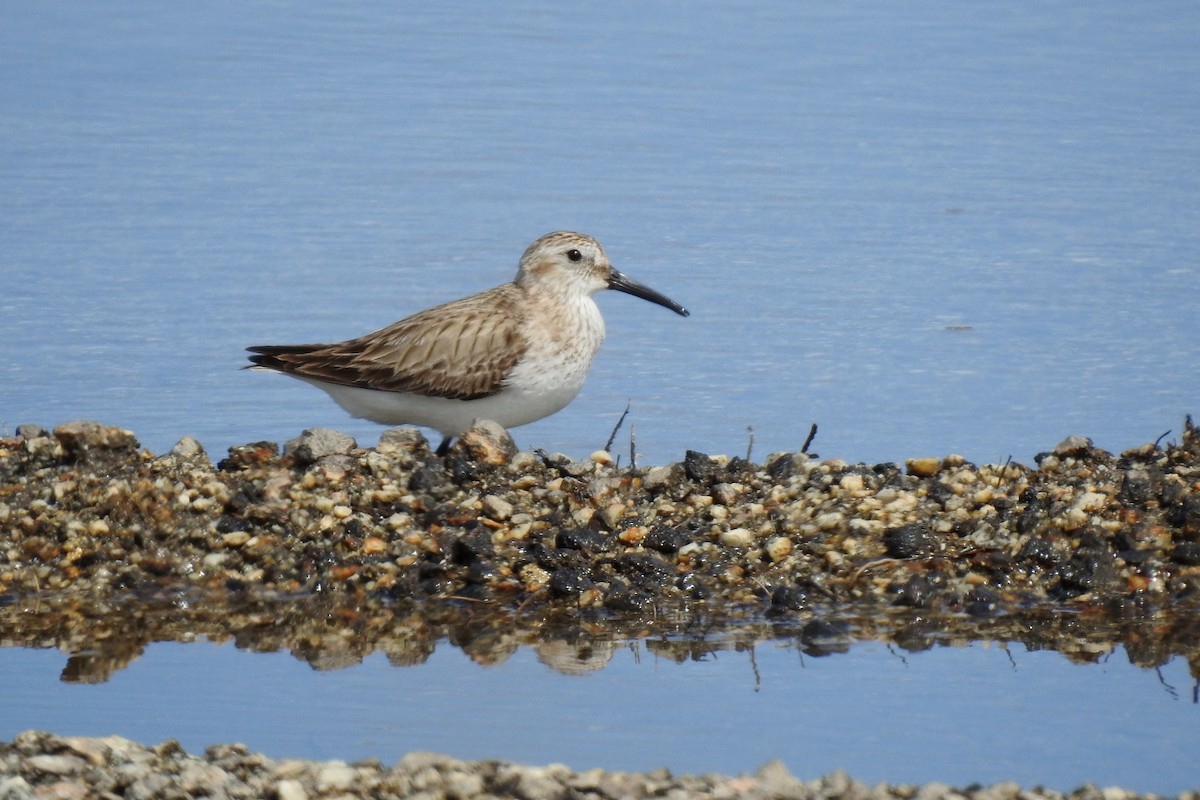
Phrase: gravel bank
(84, 510)
(37, 764)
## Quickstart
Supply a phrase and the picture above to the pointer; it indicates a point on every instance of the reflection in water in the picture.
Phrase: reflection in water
(331, 635)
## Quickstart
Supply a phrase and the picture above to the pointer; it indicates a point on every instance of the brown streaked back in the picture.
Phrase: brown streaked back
(461, 350)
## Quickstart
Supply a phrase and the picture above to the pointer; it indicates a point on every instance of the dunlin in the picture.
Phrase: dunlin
(513, 354)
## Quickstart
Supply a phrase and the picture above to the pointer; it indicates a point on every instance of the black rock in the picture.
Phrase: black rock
(588, 541)
(430, 475)
(939, 492)
(623, 598)
(789, 598)
(1186, 553)
(693, 586)
(482, 572)
(700, 467)
(782, 468)
(473, 546)
(916, 592)
(643, 569)
(665, 540)
(982, 601)
(1037, 551)
(1136, 487)
(910, 541)
(569, 582)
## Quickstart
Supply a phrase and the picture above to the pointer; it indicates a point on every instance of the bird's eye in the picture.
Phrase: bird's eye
(574, 255)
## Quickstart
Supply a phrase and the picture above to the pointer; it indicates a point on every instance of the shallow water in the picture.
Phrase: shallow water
(880, 713)
(948, 228)
(945, 229)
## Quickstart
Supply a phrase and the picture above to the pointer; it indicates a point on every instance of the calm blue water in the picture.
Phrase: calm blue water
(828, 189)
(928, 228)
(882, 715)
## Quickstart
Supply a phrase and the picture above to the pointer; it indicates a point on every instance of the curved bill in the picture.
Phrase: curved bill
(629, 286)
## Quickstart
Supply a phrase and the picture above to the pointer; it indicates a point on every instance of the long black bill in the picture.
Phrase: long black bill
(629, 286)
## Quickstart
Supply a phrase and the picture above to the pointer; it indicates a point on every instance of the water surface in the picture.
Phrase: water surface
(958, 715)
(935, 229)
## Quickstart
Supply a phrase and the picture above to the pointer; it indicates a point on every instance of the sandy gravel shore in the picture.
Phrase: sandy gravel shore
(38, 765)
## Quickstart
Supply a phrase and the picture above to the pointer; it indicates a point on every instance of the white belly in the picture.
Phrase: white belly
(510, 407)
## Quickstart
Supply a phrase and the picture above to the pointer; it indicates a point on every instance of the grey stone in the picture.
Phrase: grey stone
(314, 444)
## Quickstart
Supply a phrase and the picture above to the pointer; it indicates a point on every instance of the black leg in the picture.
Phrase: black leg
(443, 448)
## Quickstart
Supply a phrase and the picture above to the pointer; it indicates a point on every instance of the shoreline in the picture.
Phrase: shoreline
(90, 513)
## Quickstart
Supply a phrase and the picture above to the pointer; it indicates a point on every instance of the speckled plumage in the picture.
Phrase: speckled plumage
(513, 354)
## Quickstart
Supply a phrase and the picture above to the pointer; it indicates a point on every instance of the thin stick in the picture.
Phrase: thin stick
(632, 446)
(612, 437)
(750, 444)
(812, 434)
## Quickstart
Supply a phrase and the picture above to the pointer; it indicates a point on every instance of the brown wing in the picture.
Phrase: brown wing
(461, 350)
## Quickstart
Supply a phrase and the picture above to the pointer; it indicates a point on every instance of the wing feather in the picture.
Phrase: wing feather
(462, 350)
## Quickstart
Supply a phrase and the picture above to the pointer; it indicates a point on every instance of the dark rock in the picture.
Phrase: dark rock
(627, 599)
(588, 541)
(665, 540)
(554, 558)
(1186, 516)
(1136, 487)
(699, 467)
(910, 541)
(982, 601)
(229, 524)
(482, 572)
(473, 546)
(939, 492)
(428, 476)
(1090, 569)
(693, 586)
(570, 582)
(916, 592)
(782, 468)
(463, 469)
(1034, 513)
(1172, 493)
(643, 569)
(789, 598)
(1186, 553)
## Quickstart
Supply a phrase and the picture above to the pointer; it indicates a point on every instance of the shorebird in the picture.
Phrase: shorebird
(513, 354)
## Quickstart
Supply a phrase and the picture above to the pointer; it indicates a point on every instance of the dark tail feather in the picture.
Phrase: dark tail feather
(268, 355)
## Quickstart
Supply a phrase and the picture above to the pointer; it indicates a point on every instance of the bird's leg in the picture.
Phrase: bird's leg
(443, 448)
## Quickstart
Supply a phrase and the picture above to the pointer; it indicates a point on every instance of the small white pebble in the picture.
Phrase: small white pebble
(737, 537)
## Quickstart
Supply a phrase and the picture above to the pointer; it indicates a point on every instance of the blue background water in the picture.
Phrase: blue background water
(833, 191)
(927, 227)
